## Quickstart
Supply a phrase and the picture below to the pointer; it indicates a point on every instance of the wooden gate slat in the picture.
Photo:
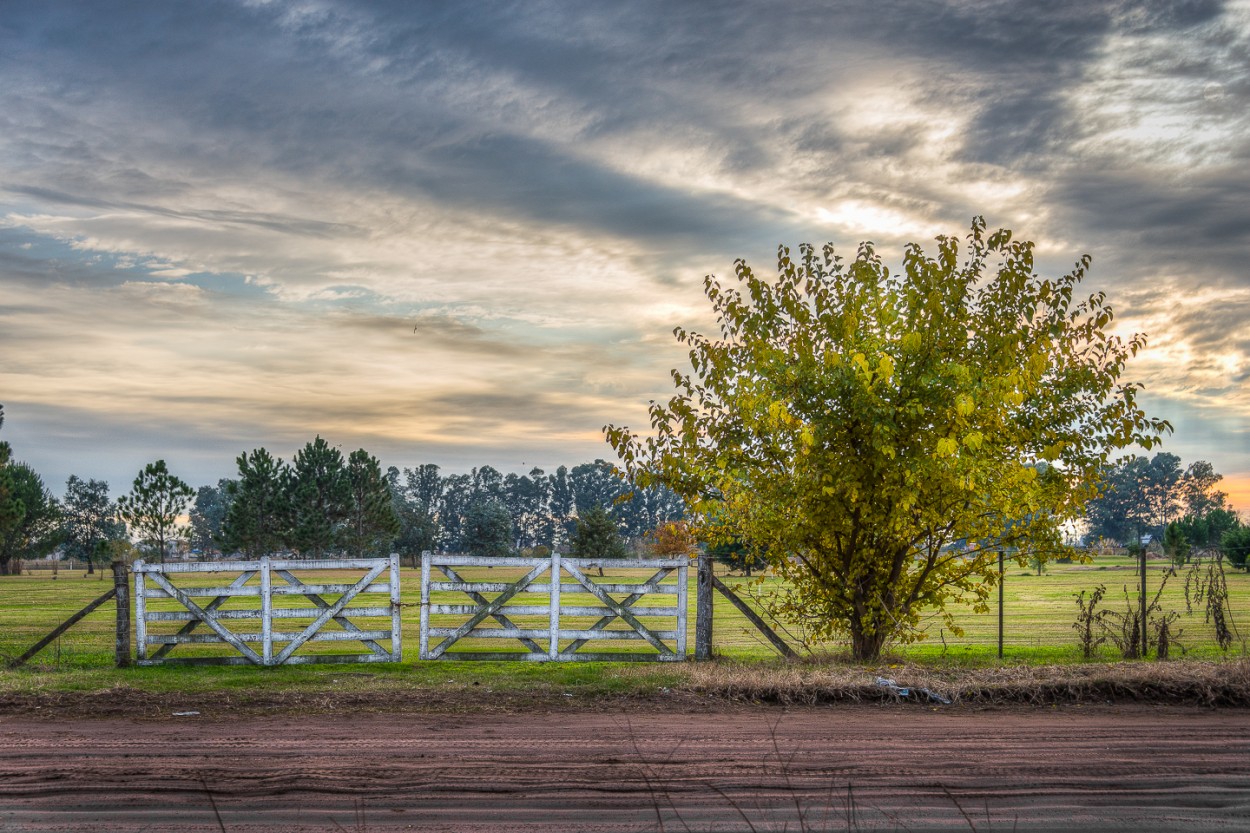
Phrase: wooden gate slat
(488, 610)
(609, 610)
(151, 581)
(611, 617)
(619, 610)
(498, 617)
(210, 607)
(205, 617)
(329, 613)
(342, 621)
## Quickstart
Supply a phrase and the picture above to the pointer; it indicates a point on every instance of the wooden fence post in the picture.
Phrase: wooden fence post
(703, 609)
(122, 589)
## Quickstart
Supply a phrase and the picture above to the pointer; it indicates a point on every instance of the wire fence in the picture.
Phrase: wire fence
(1038, 616)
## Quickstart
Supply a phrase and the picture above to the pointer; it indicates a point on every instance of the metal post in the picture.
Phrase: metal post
(703, 609)
(1002, 579)
(121, 650)
(1145, 642)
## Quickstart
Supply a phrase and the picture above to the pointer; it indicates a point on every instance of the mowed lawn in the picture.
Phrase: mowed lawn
(1039, 612)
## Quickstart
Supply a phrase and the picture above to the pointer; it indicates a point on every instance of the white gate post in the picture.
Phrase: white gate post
(424, 649)
(553, 649)
(682, 602)
(141, 619)
(396, 642)
(266, 611)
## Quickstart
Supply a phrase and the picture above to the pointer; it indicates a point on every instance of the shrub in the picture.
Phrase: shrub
(1235, 545)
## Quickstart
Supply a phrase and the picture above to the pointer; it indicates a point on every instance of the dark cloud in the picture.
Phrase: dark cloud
(1196, 224)
(141, 127)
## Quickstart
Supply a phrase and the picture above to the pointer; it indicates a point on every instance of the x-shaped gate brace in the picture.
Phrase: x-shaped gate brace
(484, 609)
(324, 611)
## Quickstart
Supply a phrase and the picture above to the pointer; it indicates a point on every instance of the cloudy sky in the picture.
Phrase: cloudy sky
(462, 233)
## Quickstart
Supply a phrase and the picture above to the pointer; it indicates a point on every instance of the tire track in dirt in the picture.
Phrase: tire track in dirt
(869, 768)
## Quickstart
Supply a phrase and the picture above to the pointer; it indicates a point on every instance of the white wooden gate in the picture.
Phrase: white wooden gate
(262, 601)
(608, 611)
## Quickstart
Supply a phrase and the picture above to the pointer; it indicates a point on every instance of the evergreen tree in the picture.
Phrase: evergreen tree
(89, 520)
(37, 530)
(320, 497)
(425, 487)
(597, 535)
(258, 514)
(561, 506)
(488, 529)
(454, 505)
(1235, 545)
(208, 513)
(1176, 545)
(1204, 531)
(152, 508)
(11, 509)
(735, 555)
(370, 522)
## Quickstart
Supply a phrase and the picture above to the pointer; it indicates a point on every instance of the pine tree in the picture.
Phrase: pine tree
(597, 535)
(259, 513)
(488, 529)
(152, 508)
(319, 499)
(370, 521)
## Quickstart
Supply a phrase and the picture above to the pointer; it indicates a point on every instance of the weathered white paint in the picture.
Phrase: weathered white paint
(627, 616)
(155, 581)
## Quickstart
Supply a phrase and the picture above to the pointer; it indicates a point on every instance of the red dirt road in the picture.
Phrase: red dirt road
(884, 768)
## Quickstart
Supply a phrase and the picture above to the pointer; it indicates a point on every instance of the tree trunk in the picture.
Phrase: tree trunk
(866, 646)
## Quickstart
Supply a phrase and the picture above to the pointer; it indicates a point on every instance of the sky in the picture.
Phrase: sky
(462, 233)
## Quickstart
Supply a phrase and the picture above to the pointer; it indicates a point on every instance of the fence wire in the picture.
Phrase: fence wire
(1039, 612)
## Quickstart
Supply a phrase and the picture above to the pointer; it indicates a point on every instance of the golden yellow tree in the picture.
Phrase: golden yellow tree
(880, 435)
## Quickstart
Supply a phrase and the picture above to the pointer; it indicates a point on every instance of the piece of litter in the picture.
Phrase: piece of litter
(903, 691)
(186, 714)
(568, 695)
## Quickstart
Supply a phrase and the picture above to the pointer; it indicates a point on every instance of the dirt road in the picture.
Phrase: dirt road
(896, 767)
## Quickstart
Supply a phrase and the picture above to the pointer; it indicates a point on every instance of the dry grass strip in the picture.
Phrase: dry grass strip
(1225, 683)
(692, 687)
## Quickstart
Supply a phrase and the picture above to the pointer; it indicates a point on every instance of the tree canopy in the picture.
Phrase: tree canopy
(879, 435)
(1143, 496)
(11, 509)
(36, 529)
(370, 523)
(597, 535)
(319, 498)
(488, 528)
(152, 509)
(89, 520)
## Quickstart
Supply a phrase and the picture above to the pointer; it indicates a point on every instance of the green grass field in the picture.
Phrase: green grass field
(1039, 614)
